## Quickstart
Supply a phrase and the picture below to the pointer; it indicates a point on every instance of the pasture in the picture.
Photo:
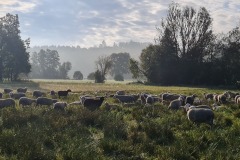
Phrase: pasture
(134, 131)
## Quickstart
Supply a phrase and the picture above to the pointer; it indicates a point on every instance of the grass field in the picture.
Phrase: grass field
(125, 132)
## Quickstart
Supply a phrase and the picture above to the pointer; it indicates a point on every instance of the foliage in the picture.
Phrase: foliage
(64, 68)
(14, 58)
(136, 132)
(231, 56)
(187, 51)
(98, 77)
(119, 63)
(78, 75)
(134, 67)
(46, 64)
(91, 76)
(104, 65)
(118, 77)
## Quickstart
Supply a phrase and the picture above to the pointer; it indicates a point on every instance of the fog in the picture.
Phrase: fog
(83, 59)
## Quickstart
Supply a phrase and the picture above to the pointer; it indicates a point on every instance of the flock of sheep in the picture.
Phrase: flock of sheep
(195, 110)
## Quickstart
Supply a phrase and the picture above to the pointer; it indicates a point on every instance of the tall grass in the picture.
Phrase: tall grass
(136, 132)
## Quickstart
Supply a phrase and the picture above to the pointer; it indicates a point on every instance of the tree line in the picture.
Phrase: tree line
(187, 52)
(46, 65)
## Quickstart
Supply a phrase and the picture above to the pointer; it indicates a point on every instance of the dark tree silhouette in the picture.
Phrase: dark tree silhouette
(14, 58)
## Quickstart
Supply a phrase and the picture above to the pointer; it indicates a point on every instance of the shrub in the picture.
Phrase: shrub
(77, 75)
(91, 76)
(99, 78)
(118, 77)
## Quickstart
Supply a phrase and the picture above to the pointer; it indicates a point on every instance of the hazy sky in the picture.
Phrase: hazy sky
(89, 22)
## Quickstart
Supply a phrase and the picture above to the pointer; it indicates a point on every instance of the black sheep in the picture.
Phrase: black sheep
(63, 93)
(93, 103)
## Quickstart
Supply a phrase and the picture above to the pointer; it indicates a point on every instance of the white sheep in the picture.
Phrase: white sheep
(25, 101)
(176, 104)
(236, 99)
(45, 101)
(201, 115)
(60, 106)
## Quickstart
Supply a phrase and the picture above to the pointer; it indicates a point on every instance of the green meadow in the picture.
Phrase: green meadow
(123, 132)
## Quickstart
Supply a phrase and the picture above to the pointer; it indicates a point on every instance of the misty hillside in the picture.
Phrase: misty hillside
(83, 59)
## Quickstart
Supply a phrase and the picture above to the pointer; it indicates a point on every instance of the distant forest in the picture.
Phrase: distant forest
(83, 59)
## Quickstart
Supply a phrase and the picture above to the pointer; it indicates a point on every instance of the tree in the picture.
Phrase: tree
(120, 63)
(78, 75)
(14, 58)
(45, 64)
(91, 76)
(64, 68)
(134, 67)
(184, 42)
(190, 34)
(118, 77)
(104, 65)
(230, 57)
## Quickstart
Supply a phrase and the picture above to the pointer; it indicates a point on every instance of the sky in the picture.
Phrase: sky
(88, 22)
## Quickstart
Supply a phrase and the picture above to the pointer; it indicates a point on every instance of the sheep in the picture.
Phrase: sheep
(126, 98)
(37, 93)
(170, 97)
(93, 103)
(215, 97)
(236, 99)
(60, 106)
(197, 101)
(1, 95)
(52, 92)
(120, 92)
(23, 90)
(63, 93)
(17, 95)
(201, 115)
(24, 101)
(45, 101)
(208, 96)
(82, 98)
(231, 95)
(189, 106)
(222, 98)
(190, 99)
(7, 90)
(143, 97)
(176, 104)
(151, 99)
(7, 102)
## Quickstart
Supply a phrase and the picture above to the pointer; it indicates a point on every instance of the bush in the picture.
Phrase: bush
(77, 75)
(118, 77)
(91, 76)
(99, 78)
